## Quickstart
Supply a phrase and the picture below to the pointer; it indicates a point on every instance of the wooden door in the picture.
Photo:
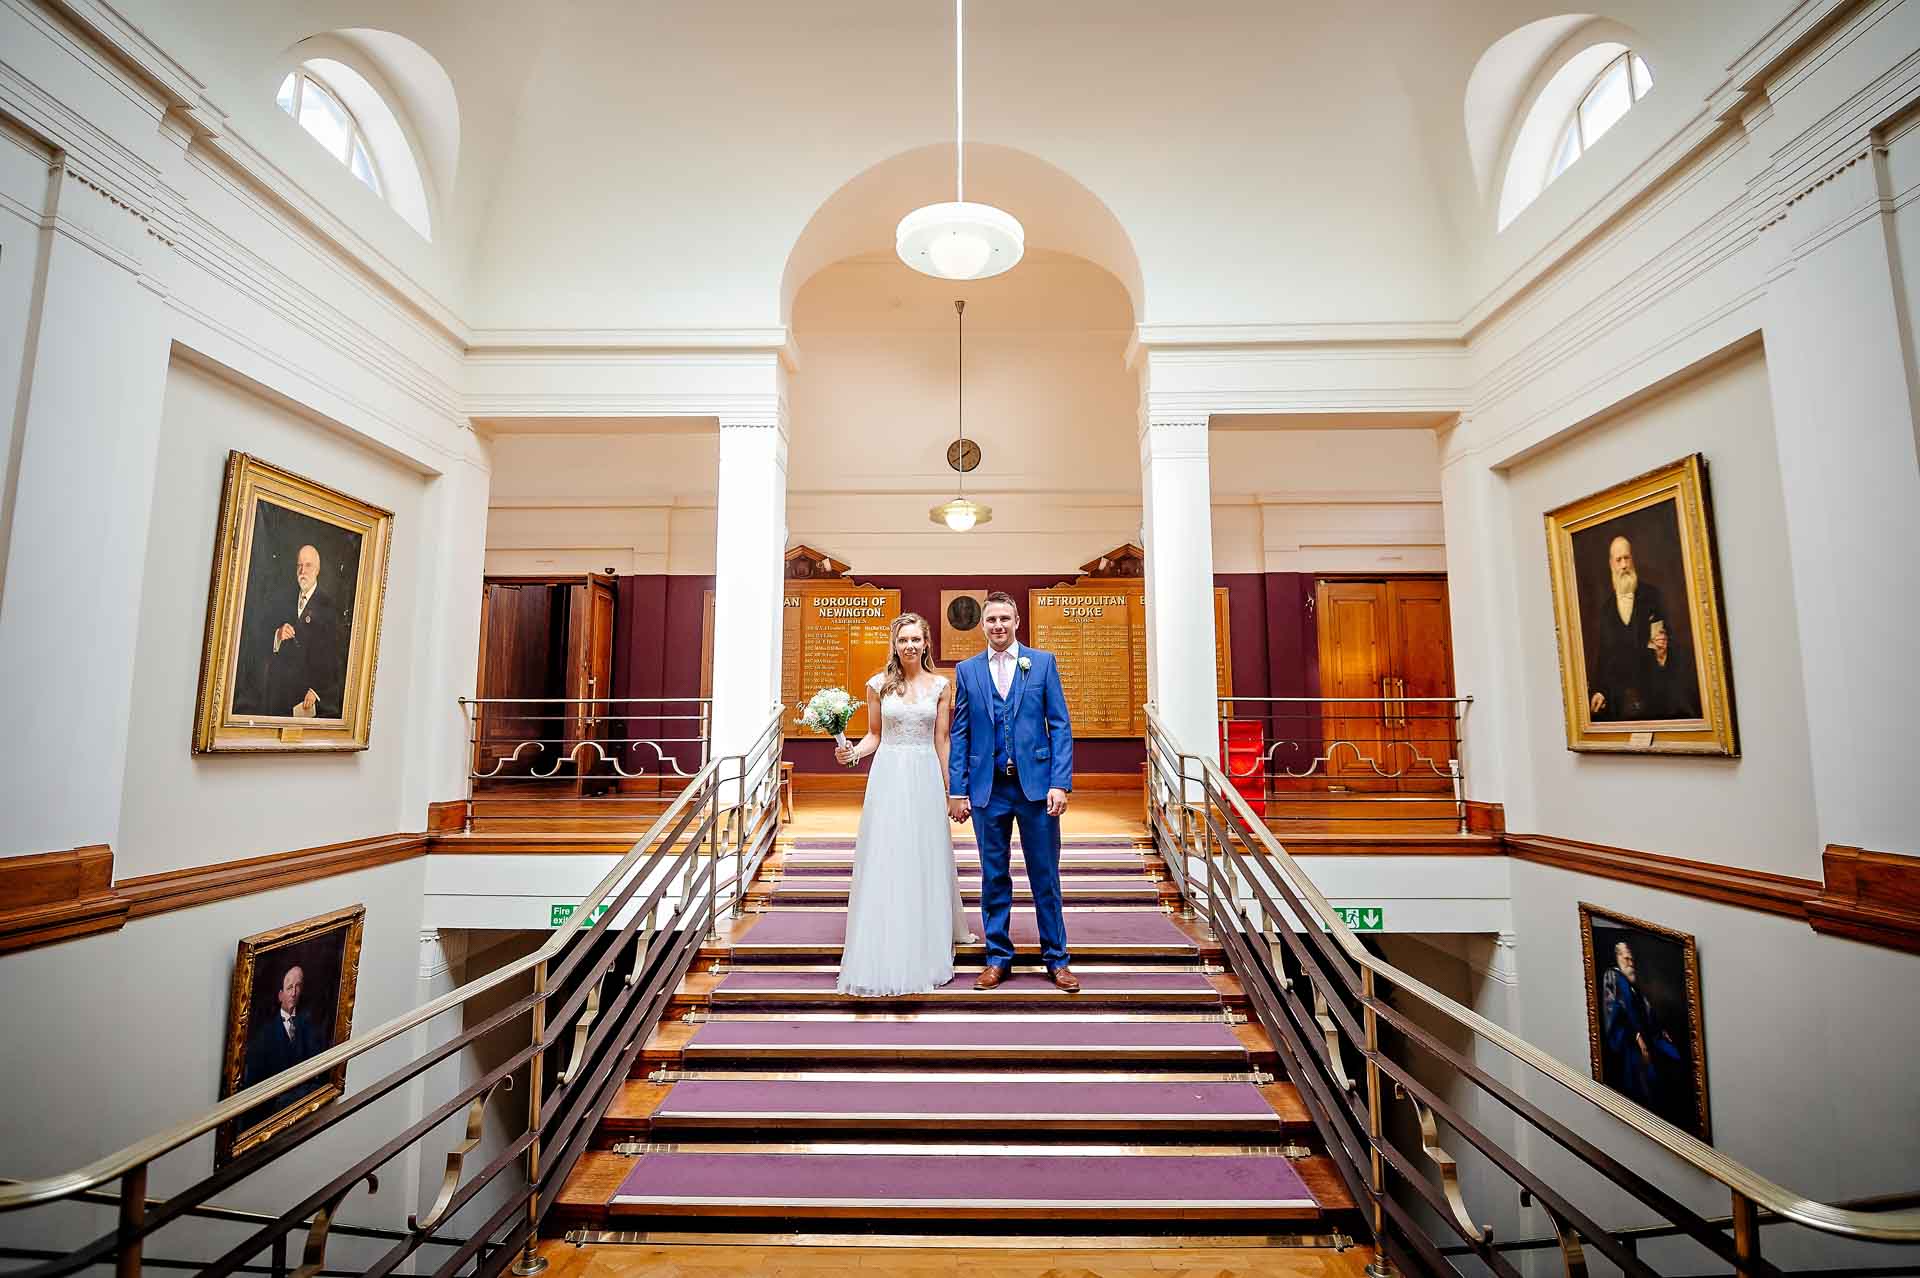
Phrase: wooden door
(1421, 651)
(516, 657)
(1355, 657)
(590, 609)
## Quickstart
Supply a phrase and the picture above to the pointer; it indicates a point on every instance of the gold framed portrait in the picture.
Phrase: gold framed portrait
(292, 998)
(1637, 608)
(293, 615)
(1645, 1026)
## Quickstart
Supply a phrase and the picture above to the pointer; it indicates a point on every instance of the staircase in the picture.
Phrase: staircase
(1142, 1111)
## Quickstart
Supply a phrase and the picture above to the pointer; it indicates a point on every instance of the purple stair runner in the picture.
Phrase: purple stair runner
(746, 983)
(1119, 1041)
(1080, 889)
(998, 1184)
(966, 844)
(1090, 929)
(1148, 1104)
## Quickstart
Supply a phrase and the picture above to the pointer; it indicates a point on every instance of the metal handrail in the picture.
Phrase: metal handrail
(115, 1165)
(1902, 1226)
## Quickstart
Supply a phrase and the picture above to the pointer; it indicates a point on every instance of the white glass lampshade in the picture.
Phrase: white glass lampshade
(961, 514)
(960, 241)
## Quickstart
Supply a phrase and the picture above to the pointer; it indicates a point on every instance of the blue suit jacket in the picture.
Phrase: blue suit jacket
(1042, 733)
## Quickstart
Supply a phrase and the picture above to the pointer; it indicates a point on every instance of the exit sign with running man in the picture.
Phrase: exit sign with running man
(1362, 918)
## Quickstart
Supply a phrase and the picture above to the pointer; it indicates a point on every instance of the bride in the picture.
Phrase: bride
(904, 915)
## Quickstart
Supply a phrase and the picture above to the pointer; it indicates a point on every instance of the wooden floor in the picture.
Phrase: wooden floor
(715, 1261)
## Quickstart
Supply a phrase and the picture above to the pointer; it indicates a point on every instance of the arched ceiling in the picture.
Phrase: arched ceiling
(1057, 212)
(635, 164)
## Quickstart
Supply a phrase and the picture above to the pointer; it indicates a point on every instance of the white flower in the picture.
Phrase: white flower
(1025, 663)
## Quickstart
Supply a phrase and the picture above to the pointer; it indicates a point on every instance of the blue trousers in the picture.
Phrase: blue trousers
(1040, 841)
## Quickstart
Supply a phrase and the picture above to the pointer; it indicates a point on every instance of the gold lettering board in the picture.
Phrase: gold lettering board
(833, 634)
(1097, 631)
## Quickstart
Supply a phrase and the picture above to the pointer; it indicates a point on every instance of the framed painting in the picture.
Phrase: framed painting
(293, 615)
(292, 998)
(1644, 1024)
(1642, 634)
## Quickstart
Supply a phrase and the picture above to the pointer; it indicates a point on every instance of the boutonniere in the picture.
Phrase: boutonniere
(1025, 663)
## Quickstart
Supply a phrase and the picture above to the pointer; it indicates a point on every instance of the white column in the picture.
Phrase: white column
(1177, 495)
(452, 547)
(749, 546)
(1480, 591)
(76, 546)
(1844, 422)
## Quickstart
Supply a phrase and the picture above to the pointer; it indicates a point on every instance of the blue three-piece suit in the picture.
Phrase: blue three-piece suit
(1007, 753)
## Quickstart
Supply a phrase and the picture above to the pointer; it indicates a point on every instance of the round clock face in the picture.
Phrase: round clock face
(963, 455)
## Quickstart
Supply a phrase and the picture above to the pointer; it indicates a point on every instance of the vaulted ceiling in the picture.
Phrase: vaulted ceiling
(629, 165)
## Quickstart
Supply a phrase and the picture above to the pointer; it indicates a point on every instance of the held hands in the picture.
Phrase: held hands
(959, 808)
(1056, 801)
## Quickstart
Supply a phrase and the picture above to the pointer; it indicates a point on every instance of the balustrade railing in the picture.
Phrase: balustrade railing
(1348, 764)
(1357, 1034)
(580, 763)
(560, 1028)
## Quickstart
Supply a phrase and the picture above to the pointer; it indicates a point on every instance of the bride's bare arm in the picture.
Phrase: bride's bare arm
(943, 728)
(866, 745)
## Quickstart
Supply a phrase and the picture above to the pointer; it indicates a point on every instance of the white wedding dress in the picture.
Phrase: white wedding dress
(904, 915)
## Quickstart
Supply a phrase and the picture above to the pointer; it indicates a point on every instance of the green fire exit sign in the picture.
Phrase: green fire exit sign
(561, 911)
(1363, 918)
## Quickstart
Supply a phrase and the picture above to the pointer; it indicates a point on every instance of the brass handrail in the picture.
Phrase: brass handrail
(26, 1193)
(1894, 1226)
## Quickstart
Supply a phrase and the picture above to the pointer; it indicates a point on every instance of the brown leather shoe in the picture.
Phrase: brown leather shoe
(1065, 980)
(990, 976)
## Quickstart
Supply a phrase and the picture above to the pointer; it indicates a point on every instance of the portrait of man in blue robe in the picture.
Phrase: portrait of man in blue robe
(1639, 1056)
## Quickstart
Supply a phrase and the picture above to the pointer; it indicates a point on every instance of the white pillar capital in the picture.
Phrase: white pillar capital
(1173, 437)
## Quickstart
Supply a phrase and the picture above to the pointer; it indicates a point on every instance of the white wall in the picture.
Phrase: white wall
(1756, 810)
(577, 499)
(129, 1032)
(180, 809)
(1052, 405)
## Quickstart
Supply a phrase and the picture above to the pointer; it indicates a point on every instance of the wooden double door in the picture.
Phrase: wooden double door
(546, 644)
(1386, 642)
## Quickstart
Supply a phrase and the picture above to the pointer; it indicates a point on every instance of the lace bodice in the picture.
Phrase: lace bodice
(908, 723)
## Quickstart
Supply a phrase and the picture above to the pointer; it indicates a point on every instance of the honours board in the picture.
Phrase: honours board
(833, 635)
(1097, 630)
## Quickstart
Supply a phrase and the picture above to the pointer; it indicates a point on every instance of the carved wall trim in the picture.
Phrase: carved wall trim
(151, 894)
(57, 896)
(1873, 897)
(1706, 880)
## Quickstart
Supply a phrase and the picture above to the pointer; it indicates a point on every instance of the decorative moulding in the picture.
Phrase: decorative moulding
(57, 896)
(1706, 880)
(1869, 896)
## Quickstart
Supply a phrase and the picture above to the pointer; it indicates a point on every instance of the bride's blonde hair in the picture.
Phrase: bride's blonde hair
(894, 677)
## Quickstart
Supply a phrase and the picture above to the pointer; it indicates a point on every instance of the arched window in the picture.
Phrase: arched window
(1587, 95)
(342, 111)
(1624, 82)
(322, 114)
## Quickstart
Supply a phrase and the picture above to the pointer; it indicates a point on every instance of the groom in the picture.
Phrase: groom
(1012, 761)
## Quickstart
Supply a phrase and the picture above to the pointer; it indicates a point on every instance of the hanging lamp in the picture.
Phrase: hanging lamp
(959, 240)
(963, 454)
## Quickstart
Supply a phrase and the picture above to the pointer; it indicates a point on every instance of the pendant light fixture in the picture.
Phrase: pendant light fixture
(958, 240)
(963, 454)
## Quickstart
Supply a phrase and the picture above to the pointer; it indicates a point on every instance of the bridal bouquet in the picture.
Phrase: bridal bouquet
(830, 710)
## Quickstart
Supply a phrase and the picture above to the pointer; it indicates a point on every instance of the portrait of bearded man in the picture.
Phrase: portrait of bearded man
(1638, 670)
